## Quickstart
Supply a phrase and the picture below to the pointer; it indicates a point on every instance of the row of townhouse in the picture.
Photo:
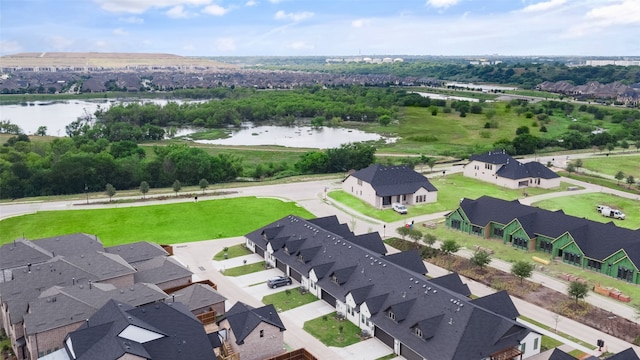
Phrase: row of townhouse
(601, 247)
(50, 287)
(389, 296)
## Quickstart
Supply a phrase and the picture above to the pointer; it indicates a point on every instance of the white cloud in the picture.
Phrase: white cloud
(9, 46)
(358, 23)
(177, 12)
(120, 32)
(59, 42)
(251, 3)
(140, 6)
(442, 3)
(300, 45)
(214, 9)
(132, 20)
(296, 17)
(226, 44)
(543, 6)
(620, 13)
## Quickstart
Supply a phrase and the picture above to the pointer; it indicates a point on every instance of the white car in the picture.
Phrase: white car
(399, 208)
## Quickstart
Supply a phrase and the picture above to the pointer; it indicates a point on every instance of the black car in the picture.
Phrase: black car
(279, 281)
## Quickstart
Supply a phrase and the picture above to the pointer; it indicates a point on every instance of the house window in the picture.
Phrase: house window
(359, 182)
(404, 197)
(392, 316)
(546, 246)
(521, 243)
(523, 348)
(535, 344)
(572, 259)
(594, 265)
(498, 232)
(418, 332)
(477, 230)
(625, 274)
(261, 333)
(455, 223)
(313, 285)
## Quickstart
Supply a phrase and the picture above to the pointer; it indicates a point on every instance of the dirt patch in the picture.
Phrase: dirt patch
(534, 293)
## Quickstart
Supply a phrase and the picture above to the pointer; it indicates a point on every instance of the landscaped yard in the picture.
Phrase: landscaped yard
(451, 188)
(610, 165)
(162, 224)
(333, 332)
(288, 299)
(584, 206)
(233, 251)
(244, 269)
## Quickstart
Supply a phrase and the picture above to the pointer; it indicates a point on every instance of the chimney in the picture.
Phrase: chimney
(29, 267)
(89, 284)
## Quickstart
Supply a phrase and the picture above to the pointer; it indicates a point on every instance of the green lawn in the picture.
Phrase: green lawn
(451, 188)
(584, 206)
(553, 341)
(234, 251)
(244, 269)
(163, 224)
(610, 165)
(549, 343)
(327, 330)
(288, 299)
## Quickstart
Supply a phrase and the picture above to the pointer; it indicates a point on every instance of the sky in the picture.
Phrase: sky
(323, 27)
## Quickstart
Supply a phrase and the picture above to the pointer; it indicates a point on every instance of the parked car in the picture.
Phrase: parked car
(399, 208)
(614, 213)
(279, 281)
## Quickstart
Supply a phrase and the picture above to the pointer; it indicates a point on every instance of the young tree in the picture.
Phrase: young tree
(449, 247)
(624, 145)
(611, 146)
(204, 184)
(384, 120)
(144, 188)
(110, 191)
(415, 235)
(480, 259)
(429, 239)
(177, 186)
(431, 163)
(403, 231)
(522, 269)
(578, 164)
(570, 168)
(619, 176)
(577, 290)
(42, 131)
(630, 180)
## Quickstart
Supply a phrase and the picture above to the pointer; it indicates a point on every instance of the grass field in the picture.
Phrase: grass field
(288, 299)
(610, 165)
(584, 206)
(244, 269)
(163, 224)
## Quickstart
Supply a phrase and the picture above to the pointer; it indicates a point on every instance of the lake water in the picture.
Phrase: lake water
(447, 97)
(57, 115)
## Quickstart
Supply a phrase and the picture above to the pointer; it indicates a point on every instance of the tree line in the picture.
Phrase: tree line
(79, 164)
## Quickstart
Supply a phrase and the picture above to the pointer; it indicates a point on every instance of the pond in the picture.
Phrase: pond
(295, 136)
(56, 115)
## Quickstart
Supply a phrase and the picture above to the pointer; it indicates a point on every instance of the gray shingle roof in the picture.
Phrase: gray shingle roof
(465, 330)
(138, 251)
(197, 296)
(181, 335)
(512, 168)
(243, 319)
(597, 240)
(628, 354)
(393, 180)
(167, 269)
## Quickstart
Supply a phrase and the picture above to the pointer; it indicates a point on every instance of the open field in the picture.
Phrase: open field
(610, 165)
(107, 60)
(163, 224)
(584, 206)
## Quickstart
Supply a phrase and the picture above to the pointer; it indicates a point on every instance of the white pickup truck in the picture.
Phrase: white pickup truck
(614, 213)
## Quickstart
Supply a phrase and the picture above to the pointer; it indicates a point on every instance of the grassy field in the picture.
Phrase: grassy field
(164, 224)
(333, 332)
(288, 299)
(584, 206)
(451, 188)
(610, 165)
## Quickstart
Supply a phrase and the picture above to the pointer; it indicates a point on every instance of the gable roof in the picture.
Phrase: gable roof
(597, 240)
(153, 331)
(628, 354)
(138, 251)
(167, 269)
(393, 180)
(243, 319)
(197, 296)
(512, 168)
(409, 259)
(499, 303)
